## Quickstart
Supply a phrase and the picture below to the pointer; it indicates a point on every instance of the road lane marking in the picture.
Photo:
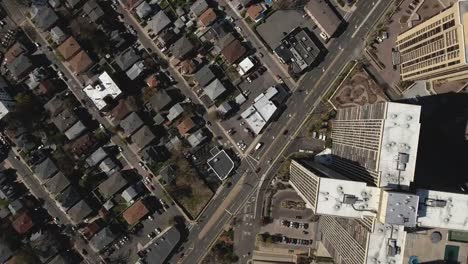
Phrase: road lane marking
(365, 19)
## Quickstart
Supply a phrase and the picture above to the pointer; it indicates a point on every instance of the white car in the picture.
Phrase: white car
(238, 29)
(157, 230)
(60, 74)
(258, 146)
(323, 36)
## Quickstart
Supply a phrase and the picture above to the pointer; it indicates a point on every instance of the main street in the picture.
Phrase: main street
(346, 47)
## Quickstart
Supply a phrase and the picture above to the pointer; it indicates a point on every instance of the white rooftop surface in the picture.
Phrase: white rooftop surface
(245, 65)
(452, 215)
(331, 194)
(260, 112)
(99, 92)
(380, 241)
(400, 135)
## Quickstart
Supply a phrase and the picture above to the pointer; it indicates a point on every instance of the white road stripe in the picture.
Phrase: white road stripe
(365, 19)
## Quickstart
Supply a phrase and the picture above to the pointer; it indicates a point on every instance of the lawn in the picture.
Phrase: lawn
(188, 189)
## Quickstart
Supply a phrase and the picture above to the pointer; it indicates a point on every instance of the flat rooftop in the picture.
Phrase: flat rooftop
(106, 88)
(262, 110)
(221, 164)
(443, 209)
(162, 247)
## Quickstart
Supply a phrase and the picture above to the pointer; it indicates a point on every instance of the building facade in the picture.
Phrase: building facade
(376, 144)
(435, 49)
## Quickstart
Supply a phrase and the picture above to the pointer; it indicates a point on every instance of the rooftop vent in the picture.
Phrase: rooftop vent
(436, 203)
(393, 248)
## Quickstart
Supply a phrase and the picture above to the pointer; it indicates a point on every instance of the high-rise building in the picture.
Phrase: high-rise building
(435, 49)
(377, 144)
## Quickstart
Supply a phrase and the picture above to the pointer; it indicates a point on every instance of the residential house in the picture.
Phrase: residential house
(130, 4)
(14, 52)
(223, 42)
(187, 67)
(90, 229)
(102, 239)
(79, 211)
(204, 76)
(112, 185)
(135, 213)
(131, 124)
(214, 33)
(45, 169)
(168, 174)
(102, 93)
(234, 51)
(153, 154)
(143, 10)
(174, 112)
(22, 223)
(7, 103)
(75, 131)
(45, 245)
(57, 184)
(130, 194)
(197, 138)
(93, 10)
(68, 197)
(81, 62)
(55, 105)
(65, 120)
(159, 119)
(136, 70)
(182, 48)
(55, 3)
(83, 144)
(109, 166)
(16, 206)
(158, 22)
(57, 35)
(124, 107)
(47, 87)
(256, 12)
(152, 81)
(207, 18)
(127, 58)
(185, 126)
(160, 101)
(20, 67)
(214, 89)
(69, 48)
(143, 137)
(198, 7)
(166, 37)
(97, 156)
(35, 77)
(43, 17)
(224, 108)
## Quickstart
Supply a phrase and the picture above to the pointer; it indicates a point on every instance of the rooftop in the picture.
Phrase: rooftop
(234, 51)
(57, 184)
(127, 58)
(112, 185)
(198, 7)
(45, 169)
(75, 131)
(135, 213)
(221, 164)
(69, 48)
(196, 138)
(323, 15)
(208, 17)
(81, 62)
(102, 239)
(245, 66)
(159, 22)
(143, 137)
(64, 120)
(79, 211)
(107, 88)
(182, 47)
(131, 123)
(204, 76)
(160, 100)
(174, 112)
(185, 125)
(214, 89)
(68, 197)
(255, 11)
(162, 247)
(22, 223)
(97, 156)
(143, 10)
(262, 110)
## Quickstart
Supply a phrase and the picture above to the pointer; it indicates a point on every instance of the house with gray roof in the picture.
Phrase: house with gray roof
(43, 17)
(68, 197)
(143, 137)
(57, 34)
(130, 194)
(79, 211)
(196, 138)
(143, 10)
(158, 119)
(214, 89)
(102, 239)
(159, 22)
(97, 156)
(160, 101)
(112, 185)
(198, 7)
(130, 124)
(93, 10)
(175, 111)
(75, 131)
(45, 169)
(72, 3)
(204, 76)
(15, 206)
(168, 173)
(109, 166)
(154, 153)
(57, 183)
(20, 67)
(182, 47)
(136, 70)
(224, 108)
(127, 58)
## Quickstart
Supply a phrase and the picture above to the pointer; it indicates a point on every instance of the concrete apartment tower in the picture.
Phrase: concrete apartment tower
(436, 49)
(377, 144)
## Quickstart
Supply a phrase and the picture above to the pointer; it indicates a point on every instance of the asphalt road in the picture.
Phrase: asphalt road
(346, 47)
